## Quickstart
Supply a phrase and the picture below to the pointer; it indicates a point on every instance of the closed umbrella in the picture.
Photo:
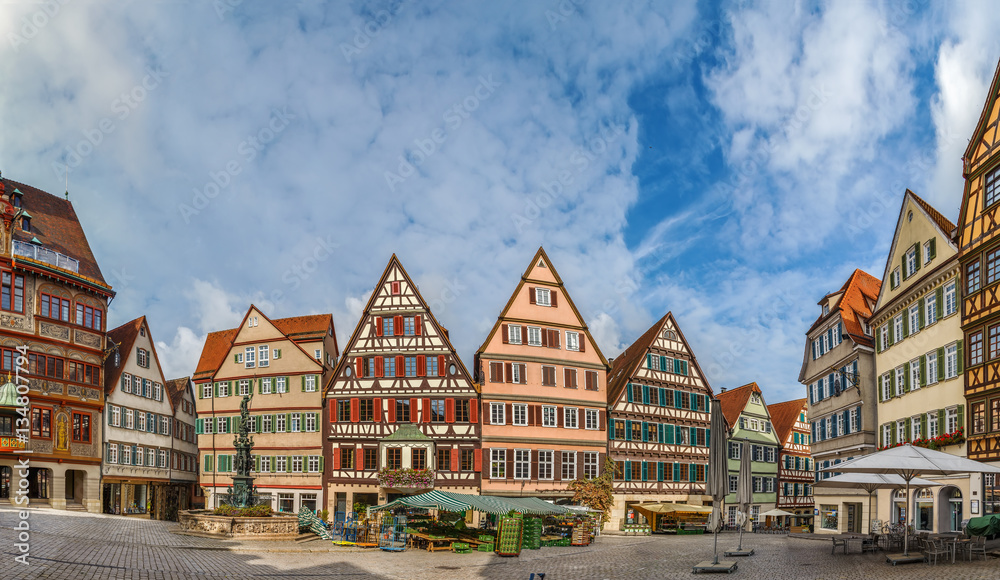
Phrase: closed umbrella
(744, 488)
(908, 462)
(717, 484)
(871, 482)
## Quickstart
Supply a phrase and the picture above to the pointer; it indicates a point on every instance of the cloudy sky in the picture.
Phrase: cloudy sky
(729, 162)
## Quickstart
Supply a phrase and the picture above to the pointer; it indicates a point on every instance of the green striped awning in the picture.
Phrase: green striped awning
(440, 500)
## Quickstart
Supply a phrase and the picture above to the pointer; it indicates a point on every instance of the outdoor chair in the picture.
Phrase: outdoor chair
(977, 547)
(837, 543)
(869, 545)
(934, 549)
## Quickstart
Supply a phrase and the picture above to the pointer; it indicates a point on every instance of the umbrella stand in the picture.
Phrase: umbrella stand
(716, 486)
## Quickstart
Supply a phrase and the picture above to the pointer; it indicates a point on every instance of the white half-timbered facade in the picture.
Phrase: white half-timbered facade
(658, 433)
(795, 466)
(400, 369)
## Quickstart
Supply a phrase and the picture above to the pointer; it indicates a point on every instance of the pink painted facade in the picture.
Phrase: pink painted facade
(544, 391)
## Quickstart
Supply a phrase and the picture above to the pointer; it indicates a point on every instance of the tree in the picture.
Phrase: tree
(597, 493)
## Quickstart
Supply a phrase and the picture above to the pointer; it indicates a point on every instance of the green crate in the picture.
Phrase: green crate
(485, 547)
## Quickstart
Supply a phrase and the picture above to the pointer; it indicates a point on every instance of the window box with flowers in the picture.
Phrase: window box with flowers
(954, 438)
(405, 478)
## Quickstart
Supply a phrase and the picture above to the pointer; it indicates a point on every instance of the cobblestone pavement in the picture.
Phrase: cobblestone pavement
(82, 546)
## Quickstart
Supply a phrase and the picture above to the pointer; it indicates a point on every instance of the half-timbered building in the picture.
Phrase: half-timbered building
(795, 476)
(544, 391)
(53, 306)
(659, 422)
(283, 364)
(403, 409)
(979, 254)
(748, 419)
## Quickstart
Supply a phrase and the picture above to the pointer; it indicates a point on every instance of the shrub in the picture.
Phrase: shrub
(324, 514)
(257, 511)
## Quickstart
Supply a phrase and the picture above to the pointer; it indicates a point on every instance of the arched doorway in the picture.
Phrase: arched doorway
(924, 510)
(898, 515)
(951, 505)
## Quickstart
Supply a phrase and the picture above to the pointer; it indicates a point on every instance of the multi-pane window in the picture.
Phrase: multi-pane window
(592, 419)
(394, 458)
(142, 357)
(116, 416)
(900, 430)
(402, 410)
(590, 466)
(443, 459)
(520, 412)
(915, 374)
(432, 366)
(262, 356)
(886, 435)
(279, 423)
(281, 464)
(81, 428)
(243, 387)
(112, 453)
(932, 366)
(950, 301)
(545, 463)
(976, 348)
(12, 296)
(206, 391)
(281, 384)
(897, 326)
(141, 423)
(408, 326)
(410, 366)
(267, 422)
(914, 319)
(534, 336)
(951, 419)
(972, 277)
(927, 252)
(151, 457)
(127, 457)
(548, 376)
(55, 307)
(313, 463)
(543, 297)
(569, 465)
(165, 425)
(951, 361)
(995, 414)
(522, 463)
(310, 383)
(930, 309)
(369, 459)
(900, 381)
(387, 326)
(366, 408)
(468, 460)
(437, 411)
(514, 334)
(130, 421)
(418, 458)
(265, 386)
(248, 357)
(895, 278)
(498, 463)
(911, 263)
(978, 415)
(496, 414)
(884, 335)
(548, 416)
(991, 193)
(294, 426)
(914, 428)
(390, 366)
(992, 266)
(572, 340)
(570, 415)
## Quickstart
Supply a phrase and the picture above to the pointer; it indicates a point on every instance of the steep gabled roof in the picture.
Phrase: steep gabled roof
(55, 224)
(175, 389)
(124, 336)
(217, 345)
(859, 289)
(981, 126)
(735, 401)
(784, 415)
(626, 363)
(442, 331)
(942, 222)
(540, 254)
(297, 326)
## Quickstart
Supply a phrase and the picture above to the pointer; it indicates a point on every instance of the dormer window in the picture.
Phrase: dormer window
(826, 309)
(16, 201)
(26, 224)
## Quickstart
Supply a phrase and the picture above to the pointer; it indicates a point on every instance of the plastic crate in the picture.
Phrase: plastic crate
(485, 547)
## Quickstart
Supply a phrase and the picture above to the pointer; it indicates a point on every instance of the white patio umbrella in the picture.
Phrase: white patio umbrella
(908, 462)
(871, 482)
(776, 513)
(744, 487)
(717, 480)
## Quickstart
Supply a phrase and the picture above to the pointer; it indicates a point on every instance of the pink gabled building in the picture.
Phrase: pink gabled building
(544, 391)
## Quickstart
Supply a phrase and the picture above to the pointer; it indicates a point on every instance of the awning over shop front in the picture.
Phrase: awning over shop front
(460, 502)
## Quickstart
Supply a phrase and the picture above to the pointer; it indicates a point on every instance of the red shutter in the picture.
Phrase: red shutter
(524, 374)
(399, 365)
(355, 410)
(487, 418)
(554, 295)
(555, 338)
(378, 326)
(427, 410)
(545, 337)
(454, 459)
(477, 456)
(559, 416)
(581, 341)
(414, 415)
(359, 459)
(531, 295)
(538, 415)
(440, 365)
(603, 421)
(508, 373)
(449, 410)
(395, 287)
(377, 410)
(397, 325)
(416, 325)
(336, 459)
(421, 365)
(473, 411)
(379, 366)
(504, 334)
(359, 367)
(567, 378)
(531, 415)
(391, 403)
(508, 413)
(333, 410)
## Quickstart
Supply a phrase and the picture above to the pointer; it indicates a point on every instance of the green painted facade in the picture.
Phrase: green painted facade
(755, 412)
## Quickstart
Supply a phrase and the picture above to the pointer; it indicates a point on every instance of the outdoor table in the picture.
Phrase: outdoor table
(950, 541)
(434, 544)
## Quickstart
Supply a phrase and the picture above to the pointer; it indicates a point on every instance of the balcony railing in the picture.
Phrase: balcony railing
(42, 254)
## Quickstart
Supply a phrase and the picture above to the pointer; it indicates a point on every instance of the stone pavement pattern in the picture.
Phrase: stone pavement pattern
(84, 546)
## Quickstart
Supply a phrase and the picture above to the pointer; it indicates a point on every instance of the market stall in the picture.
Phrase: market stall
(675, 518)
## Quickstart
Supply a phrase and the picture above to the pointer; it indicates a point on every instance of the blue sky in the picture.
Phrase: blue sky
(729, 162)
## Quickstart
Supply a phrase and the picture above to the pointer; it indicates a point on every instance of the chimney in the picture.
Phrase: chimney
(723, 390)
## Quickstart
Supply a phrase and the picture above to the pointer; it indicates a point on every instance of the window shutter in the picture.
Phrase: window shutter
(531, 295)
(421, 365)
(397, 325)
(922, 321)
(355, 410)
(961, 417)
(400, 365)
(602, 419)
(677, 400)
(504, 333)
(649, 361)
(427, 411)
(923, 425)
(961, 357)
(199, 426)
(417, 322)
(909, 430)
(933, 248)
(628, 470)
(902, 266)
(414, 414)
(379, 366)
(302, 383)
(545, 337)
(940, 364)
(477, 458)
(554, 297)
(473, 411)
(377, 410)
(449, 410)
(645, 394)
(454, 455)
(663, 362)
(508, 374)
(916, 257)
(359, 367)
(378, 325)
(906, 324)
(628, 388)
(939, 302)
(441, 365)
(670, 434)
(923, 370)
(906, 378)
(878, 341)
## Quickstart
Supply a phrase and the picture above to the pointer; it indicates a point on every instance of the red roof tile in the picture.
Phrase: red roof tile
(735, 401)
(216, 348)
(175, 389)
(853, 305)
(55, 223)
(942, 222)
(784, 415)
(624, 364)
(313, 323)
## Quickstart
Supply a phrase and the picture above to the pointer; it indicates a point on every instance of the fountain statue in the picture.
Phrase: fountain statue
(243, 493)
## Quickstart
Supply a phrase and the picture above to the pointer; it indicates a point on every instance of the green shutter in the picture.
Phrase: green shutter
(302, 381)
(236, 358)
(628, 470)
(892, 429)
(663, 362)
(677, 471)
(274, 464)
(908, 429)
(906, 323)
(892, 384)
(916, 257)
(670, 434)
(902, 266)
(923, 370)
(940, 364)
(941, 424)
(961, 417)
(628, 392)
(649, 361)
(923, 425)
(645, 433)
(199, 426)
(878, 341)
(961, 358)
(933, 248)
(611, 428)
(231, 386)
(892, 331)
(920, 313)
(939, 302)
(906, 378)
(628, 429)
(645, 471)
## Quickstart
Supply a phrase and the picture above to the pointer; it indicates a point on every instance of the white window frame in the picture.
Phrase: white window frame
(914, 314)
(126, 454)
(310, 383)
(515, 373)
(313, 464)
(126, 382)
(164, 425)
(262, 358)
(116, 416)
(886, 435)
(592, 419)
(927, 252)
(519, 414)
(933, 429)
(281, 385)
(951, 361)
(897, 328)
(951, 419)
(932, 366)
(514, 333)
(496, 414)
(206, 391)
(591, 464)
(930, 309)
(543, 297)
(281, 464)
(310, 422)
(900, 380)
(265, 386)
(915, 428)
(279, 423)
(914, 374)
(896, 277)
(911, 262)
(243, 387)
(266, 423)
(265, 463)
(572, 462)
(249, 357)
(549, 416)
(571, 413)
(572, 340)
(295, 424)
(950, 300)
(140, 421)
(112, 453)
(546, 464)
(884, 331)
(534, 336)
(296, 464)
(521, 464)
(900, 431)
(498, 463)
